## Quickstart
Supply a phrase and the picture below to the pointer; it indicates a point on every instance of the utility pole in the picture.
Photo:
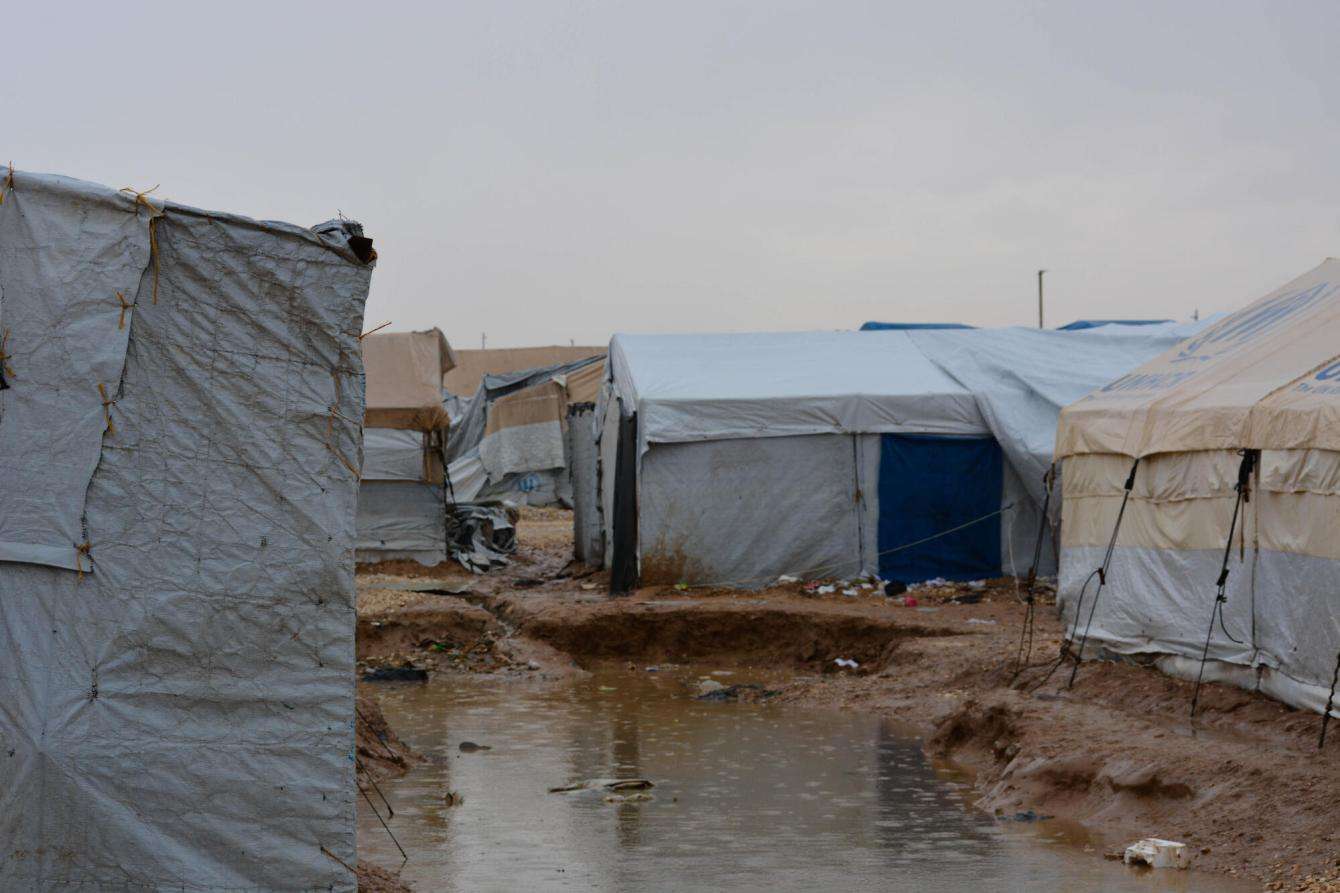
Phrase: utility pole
(483, 340)
(1040, 272)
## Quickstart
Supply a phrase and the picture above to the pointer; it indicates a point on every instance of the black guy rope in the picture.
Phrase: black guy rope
(1243, 488)
(1101, 574)
(1030, 602)
(1326, 717)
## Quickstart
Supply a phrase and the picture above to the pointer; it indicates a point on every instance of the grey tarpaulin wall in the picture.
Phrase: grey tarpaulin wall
(588, 538)
(178, 471)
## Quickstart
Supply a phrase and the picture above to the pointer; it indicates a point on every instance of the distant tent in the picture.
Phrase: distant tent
(1231, 447)
(401, 504)
(733, 459)
(874, 326)
(510, 444)
(472, 365)
(1081, 324)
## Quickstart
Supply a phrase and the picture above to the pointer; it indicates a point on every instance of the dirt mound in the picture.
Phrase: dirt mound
(449, 622)
(380, 751)
(725, 634)
(373, 879)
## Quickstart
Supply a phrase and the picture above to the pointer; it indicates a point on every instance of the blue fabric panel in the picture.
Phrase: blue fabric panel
(928, 485)
(876, 326)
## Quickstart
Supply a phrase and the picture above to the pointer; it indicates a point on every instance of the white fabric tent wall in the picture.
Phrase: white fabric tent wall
(176, 674)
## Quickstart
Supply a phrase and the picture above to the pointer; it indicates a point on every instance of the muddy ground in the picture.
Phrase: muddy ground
(1244, 785)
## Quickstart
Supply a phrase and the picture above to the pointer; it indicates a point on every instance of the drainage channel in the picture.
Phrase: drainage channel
(747, 796)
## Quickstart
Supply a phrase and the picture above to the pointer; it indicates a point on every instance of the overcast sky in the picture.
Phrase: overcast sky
(546, 172)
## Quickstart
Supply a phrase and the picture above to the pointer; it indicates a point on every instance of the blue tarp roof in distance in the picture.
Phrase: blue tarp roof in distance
(874, 326)
(1079, 324)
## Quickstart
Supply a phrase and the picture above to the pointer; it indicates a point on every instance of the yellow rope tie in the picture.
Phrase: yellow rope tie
(85, 550)
(125, 305)
(141, 198)
(106, 410)
(5, 368)
(377, 329)
(9, 183)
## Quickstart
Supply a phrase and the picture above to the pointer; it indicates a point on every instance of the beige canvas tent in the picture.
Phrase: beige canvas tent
(401, 504)
(1230, 447)
(472, 365)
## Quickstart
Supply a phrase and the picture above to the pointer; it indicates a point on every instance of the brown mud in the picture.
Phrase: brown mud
(1243, 786)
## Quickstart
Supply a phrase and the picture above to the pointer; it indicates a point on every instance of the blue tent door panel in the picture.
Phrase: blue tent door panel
(928, 485)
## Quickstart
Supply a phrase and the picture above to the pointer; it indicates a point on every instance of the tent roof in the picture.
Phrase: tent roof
(1082, 324)
(404, 375)
(711, 387)
(473, 365)
(1266, 377)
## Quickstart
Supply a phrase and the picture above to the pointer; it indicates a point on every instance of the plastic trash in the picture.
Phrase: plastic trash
(846, 662)
(849, 592)
(787, 578)
(981, 621)
(826, 590)
(1157, 853)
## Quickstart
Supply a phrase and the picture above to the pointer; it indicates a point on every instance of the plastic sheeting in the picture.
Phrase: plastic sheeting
(391, 454)
(401, 519)
(180, 715)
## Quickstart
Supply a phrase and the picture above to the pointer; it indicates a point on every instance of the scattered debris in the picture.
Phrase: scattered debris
(395, 674)
(846, 662)
(894, 587)
(981, 620)
(453, 799)
(787, 578)
(826, 590)
(472, 747)
(628, 798)
(1157, 853)
(604, 784)
(708, 686)
(1026, 816)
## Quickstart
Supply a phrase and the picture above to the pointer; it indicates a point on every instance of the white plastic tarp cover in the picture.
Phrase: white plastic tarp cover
(180, 714)
(775, 384)
(392, 454)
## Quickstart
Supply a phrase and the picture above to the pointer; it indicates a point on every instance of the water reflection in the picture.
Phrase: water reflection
(747, 797)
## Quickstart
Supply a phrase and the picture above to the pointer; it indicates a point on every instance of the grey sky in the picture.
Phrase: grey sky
(546, 172)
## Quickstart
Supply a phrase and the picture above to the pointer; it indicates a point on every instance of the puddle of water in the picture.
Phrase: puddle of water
(748, 797)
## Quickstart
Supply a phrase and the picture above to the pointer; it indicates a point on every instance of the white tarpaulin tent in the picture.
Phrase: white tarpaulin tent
(1254, 398)
(178, 470)
(824, 453)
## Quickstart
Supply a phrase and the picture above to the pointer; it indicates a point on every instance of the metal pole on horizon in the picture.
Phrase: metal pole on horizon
(1040, 272)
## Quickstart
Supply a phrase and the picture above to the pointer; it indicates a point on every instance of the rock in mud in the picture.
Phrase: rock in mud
(739, 692)
(472, 747)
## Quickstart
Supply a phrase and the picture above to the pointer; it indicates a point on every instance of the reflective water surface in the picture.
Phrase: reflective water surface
(747, 797)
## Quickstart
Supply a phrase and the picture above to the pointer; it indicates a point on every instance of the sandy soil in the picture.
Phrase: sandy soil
(1244, 785)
